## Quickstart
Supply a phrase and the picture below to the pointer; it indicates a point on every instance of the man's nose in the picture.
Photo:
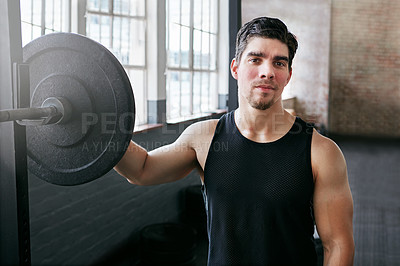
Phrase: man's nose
(267, 71)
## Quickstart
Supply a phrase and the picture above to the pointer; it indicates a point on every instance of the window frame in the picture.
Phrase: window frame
(192, 69)
(64, 19)
(143, 112)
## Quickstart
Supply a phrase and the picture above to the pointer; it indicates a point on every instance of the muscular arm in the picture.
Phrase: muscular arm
(333, 204)
(162, 165)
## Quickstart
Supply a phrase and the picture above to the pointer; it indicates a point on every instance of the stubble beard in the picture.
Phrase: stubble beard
(259, 104)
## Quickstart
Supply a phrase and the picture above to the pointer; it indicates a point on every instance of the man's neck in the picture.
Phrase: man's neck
(263, 125)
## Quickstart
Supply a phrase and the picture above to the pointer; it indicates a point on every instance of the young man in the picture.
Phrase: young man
(267, 176)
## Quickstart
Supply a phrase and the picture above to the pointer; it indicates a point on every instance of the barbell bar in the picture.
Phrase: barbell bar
(27, 113)
(53, 111)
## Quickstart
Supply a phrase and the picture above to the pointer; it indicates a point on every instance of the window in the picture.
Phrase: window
(40, 17)
(120, 26)
(184, 60)
(191, 57)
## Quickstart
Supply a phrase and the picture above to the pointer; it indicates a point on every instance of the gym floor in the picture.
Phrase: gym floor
(374, 176)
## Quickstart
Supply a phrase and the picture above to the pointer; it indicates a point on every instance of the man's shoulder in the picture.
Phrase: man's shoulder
(201, 128)
(322, 144)
(326, 155)
(199, 136)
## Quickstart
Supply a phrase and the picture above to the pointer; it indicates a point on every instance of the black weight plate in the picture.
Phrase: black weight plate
(95, 138)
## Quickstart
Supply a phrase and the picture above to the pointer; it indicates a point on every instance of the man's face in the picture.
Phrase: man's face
(262, 73)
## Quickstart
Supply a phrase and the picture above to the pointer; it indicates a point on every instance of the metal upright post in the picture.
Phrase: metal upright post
(235, 22)
(14, 199)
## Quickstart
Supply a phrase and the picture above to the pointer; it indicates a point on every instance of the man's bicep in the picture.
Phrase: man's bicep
(333, 210)
(169, 163)
(333, 204)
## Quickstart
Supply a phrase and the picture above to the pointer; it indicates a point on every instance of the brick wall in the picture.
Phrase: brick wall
(79, 225)
(365, 68)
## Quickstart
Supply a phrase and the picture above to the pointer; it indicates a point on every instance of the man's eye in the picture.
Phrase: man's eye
(280, 64)
(254, 60)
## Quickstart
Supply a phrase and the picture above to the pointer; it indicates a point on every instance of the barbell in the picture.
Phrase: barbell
(82, 109)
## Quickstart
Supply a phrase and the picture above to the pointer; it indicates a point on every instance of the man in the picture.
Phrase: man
(275, 176)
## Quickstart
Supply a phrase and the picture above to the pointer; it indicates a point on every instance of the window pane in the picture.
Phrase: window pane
(173, 46)
(213, 91)
(117, 6)
(58, 15)
(125, 42)
(185, 41)
(205, 86)
(117, 35)
(137, 43)
(213, 52)
(173, 94)
(36, 32)
(121, 40)
(137, 81)
(49, 18)
(185, 15)
(206, 15)
(37, 12)
(185, 94)
(26, 30)
(137, 8)
(94, 5)
(196, 49)
(105, 31)
(214, 16)
(196, 92)
(197, 14)
(123, 7)
(174, 11)
(26, 11)
(104, 6)
(205, 50)
(93, 27)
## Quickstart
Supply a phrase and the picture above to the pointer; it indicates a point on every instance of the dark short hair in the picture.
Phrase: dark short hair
(265, 27)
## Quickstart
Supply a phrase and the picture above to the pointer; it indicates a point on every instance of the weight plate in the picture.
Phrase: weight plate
(97, 135)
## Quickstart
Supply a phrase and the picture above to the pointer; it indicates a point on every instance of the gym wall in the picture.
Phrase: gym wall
(84, 224)
(365, 68)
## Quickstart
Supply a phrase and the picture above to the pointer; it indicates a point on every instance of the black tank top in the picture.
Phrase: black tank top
(258, 197)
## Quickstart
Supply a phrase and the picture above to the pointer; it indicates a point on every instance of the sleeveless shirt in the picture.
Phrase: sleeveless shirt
(258, 197)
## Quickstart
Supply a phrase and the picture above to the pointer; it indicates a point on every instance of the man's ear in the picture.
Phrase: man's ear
(234, 68)
(290, 76)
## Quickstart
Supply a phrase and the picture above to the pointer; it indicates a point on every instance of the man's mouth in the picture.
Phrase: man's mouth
(264, 87)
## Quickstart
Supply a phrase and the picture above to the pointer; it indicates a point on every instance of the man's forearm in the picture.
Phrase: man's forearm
(339, 254)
